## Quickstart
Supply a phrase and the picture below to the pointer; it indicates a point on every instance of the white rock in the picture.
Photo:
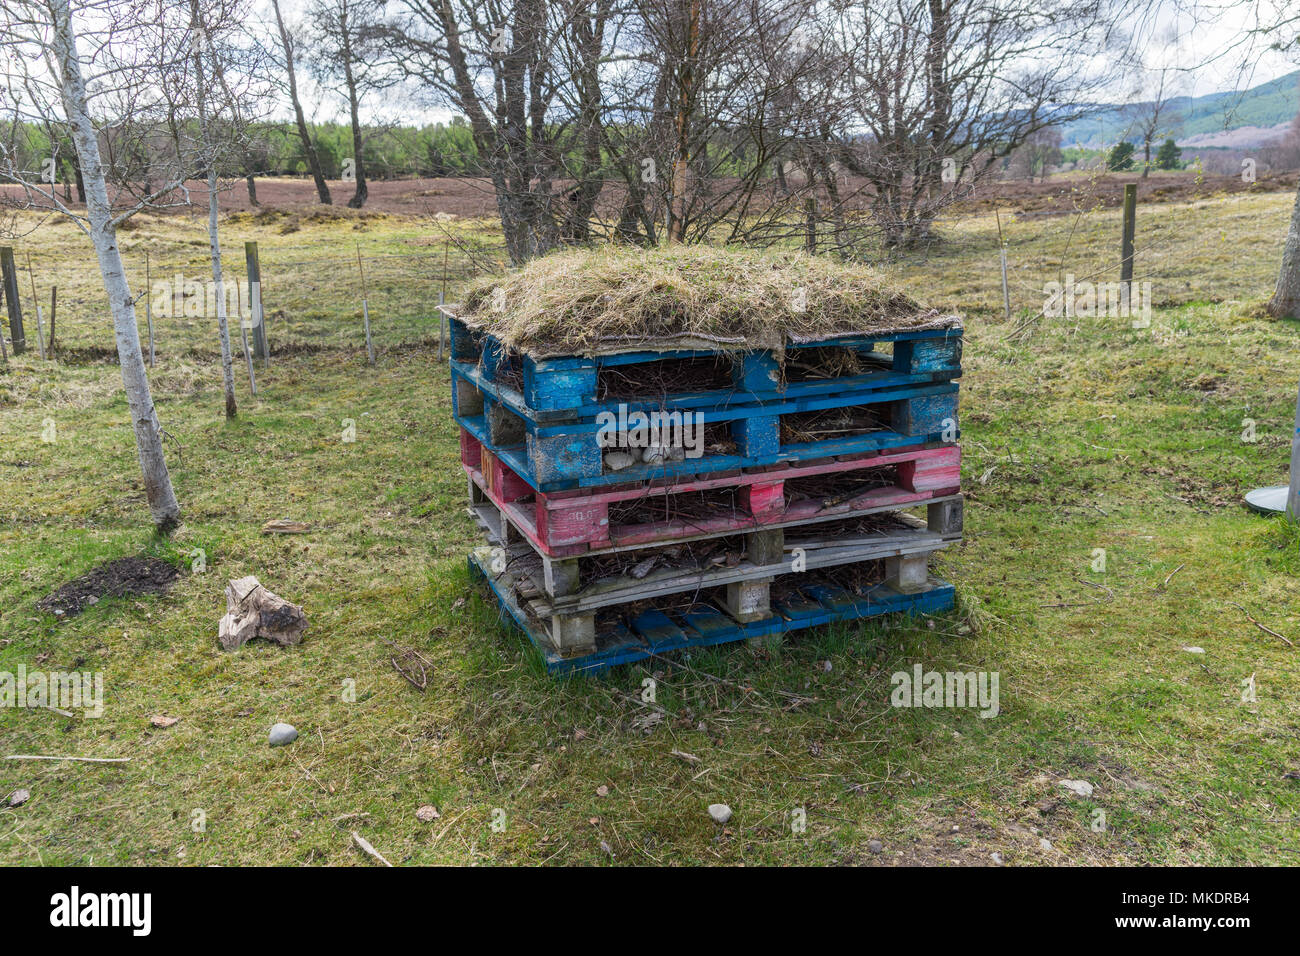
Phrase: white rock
(996, 857)
(1044, 844)
(1080, 788)
(282, 734)
(1194, 650)
(618, 460)
(720, 812)
(19, 797)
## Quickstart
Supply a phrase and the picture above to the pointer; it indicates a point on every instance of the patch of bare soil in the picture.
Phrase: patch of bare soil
(117, 578)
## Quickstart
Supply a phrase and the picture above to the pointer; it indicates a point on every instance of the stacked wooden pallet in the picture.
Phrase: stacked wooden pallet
(790, 508)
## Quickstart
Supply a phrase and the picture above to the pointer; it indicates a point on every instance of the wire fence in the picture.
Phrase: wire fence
(312, 294)
(1217, 249)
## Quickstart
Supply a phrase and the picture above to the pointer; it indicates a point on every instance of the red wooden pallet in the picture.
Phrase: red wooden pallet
(569, 523)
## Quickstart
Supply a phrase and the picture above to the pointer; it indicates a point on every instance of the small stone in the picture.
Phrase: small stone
(618, 460)
(827, 666)
(19, 797)
(1044, 844)
(602, 791)
(282, 734)
(720, 812)
(996, 857)
(92, 600)
(427, 813)
(1080, 788)
(1194, 649)
(875, 846)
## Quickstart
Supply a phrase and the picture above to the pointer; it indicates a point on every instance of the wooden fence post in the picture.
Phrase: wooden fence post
(260, 347)
(9, 281)
(1126, 243)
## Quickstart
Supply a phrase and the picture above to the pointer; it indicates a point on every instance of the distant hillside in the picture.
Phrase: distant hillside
(1203, 118)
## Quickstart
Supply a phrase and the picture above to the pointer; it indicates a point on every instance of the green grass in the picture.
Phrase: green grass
(1089, 435)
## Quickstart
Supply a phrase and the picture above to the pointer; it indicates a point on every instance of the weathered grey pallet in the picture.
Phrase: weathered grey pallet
(552, 593)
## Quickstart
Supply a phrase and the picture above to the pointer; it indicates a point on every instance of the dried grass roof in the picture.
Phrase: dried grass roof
(618, 299)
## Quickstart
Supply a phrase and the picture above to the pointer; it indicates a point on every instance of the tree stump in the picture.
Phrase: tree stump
(253, 611)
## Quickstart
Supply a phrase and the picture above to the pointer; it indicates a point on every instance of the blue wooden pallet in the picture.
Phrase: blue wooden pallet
(564, 389)
(655, 632)
(560, 456)
(548, 432)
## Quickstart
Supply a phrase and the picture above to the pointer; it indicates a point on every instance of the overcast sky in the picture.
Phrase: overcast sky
(1213, 54)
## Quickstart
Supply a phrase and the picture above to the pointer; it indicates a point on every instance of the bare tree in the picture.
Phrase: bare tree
(212, 93)
(944, 89)
(725, 92)
(287, 49)
(346, 37)
(1039, 152)
(495, 63)
(51, 79)
(1281, 26)
(1154, 117)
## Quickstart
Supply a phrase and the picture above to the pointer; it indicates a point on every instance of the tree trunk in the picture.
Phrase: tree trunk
(223, 327)
(685, 106)
(214, 235)
(252, 189)
(359, 197)
(1285, 303)
(144, 419)
(1146, 158)
(313, 161)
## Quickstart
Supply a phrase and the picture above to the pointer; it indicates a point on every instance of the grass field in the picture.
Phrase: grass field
(1083, 434)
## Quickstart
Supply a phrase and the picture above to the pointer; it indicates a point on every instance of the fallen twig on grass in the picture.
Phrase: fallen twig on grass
(366, 848)
(1161, 588)
(1266, 630)
(414, 658)
(1110, 595)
